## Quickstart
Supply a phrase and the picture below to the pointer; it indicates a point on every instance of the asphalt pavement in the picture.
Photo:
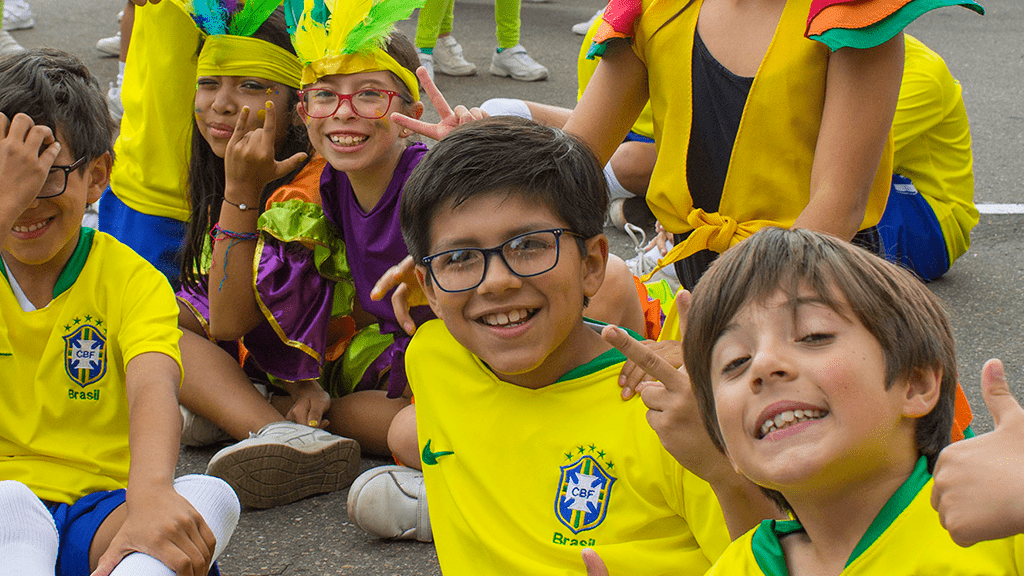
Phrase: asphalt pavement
(982, 292)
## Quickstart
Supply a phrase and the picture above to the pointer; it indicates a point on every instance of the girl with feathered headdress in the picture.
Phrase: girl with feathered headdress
(259, 267)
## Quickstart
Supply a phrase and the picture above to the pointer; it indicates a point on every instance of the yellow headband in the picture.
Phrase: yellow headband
(355, 63)
(224, 55)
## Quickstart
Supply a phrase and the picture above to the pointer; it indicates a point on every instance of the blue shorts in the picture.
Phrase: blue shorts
(77, 525)
(155, 238)
(910, 232)
(634, 137)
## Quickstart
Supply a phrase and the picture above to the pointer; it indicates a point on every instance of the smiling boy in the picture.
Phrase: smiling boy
(829, 380)
(529, 452)
(90, 367)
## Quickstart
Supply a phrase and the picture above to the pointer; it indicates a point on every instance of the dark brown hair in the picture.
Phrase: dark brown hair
(896, 308)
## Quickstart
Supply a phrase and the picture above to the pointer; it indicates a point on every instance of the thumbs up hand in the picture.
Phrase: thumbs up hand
(979, 482)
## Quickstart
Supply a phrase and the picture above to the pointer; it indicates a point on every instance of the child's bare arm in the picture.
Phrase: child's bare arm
(860, 102)
(249, 165)
(611, 102)
(979, 483)
(159, 521)
(27, 151)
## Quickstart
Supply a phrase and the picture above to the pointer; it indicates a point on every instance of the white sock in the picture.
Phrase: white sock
(218, 505)
(120, 72)
(507, 107)
(615, 190)
(28, 536)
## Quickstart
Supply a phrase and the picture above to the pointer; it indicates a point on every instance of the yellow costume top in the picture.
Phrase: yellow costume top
(768, 181)
(64, 418)
(519, 479)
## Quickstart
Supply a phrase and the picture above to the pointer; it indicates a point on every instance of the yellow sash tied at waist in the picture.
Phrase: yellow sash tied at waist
(711, 231)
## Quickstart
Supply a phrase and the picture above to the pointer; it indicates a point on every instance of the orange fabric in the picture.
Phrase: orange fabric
(962, 415)
(305, 186)
(340, 332)
(853, 15)
(651, 308)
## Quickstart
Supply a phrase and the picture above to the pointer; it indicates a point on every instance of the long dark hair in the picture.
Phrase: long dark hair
(206, 178)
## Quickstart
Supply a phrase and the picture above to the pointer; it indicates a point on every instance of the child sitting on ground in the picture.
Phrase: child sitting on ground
(89, 350)
(517, 404)
(829, 379)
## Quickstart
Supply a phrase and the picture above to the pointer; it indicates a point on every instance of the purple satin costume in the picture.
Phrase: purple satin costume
(374, 244)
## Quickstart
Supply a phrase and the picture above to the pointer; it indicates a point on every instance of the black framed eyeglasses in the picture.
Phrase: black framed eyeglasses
(526, 255)
(324, 103)
(57, 180)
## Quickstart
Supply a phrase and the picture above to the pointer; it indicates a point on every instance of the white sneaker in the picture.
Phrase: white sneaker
(427, 61)
(110, 46)
(449, 60)
(18, 15)
(198, 431)
(391, 502)
(583, 27)
(285, 462)
(114, 101)
(515, 62)
(8, 45)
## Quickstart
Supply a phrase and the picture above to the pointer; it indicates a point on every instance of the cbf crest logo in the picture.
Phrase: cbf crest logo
(85, 352)
(584, 489)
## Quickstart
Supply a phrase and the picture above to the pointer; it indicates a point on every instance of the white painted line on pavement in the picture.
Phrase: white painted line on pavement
(1001, 208)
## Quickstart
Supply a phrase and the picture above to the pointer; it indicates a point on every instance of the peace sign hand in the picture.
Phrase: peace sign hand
(250, 157)
(450, 119)
(671, 406)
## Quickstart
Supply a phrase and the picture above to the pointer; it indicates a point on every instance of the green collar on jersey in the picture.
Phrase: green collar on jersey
(602, 361)
(767, 548)
(75, 264)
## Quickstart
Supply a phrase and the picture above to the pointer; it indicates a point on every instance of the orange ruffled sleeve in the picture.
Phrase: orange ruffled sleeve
(618, 21)
(868, 23)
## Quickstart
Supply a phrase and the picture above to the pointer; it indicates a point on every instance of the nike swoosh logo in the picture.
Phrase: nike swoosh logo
(430, 457)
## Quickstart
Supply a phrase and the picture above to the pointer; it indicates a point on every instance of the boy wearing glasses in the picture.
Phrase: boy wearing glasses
(90, 367)
(529, 454)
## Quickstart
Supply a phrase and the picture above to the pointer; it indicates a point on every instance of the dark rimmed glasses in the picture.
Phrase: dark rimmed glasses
(369, 104)
(57, 180)
(526, 255)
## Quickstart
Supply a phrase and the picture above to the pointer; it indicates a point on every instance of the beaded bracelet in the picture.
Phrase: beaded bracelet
(218, 233)
(241, 205)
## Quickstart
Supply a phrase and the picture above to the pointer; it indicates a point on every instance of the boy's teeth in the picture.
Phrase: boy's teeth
(784, 419)
(31, 227)
(505, 318)
(348, 140)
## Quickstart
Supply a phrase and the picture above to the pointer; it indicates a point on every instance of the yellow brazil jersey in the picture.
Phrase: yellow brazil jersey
(905, 538)
(64, 418)
(519, 480)
(158, 92)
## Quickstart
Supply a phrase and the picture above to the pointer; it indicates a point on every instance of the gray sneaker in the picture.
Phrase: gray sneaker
(515, 62)
(391, 502)
(18, 15)
(285, 462)
(449, 60)
(8, 45)
(110, 46)
(427, 61)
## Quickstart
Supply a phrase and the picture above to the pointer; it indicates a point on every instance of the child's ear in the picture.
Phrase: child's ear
(428, 289)
(595, 262)
(98, 174)
(415, 110)
(923, 390)
(300, 115)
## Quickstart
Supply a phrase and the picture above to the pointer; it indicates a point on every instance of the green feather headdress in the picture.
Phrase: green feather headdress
(230, 50)
(234, 17)
(347, 36)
